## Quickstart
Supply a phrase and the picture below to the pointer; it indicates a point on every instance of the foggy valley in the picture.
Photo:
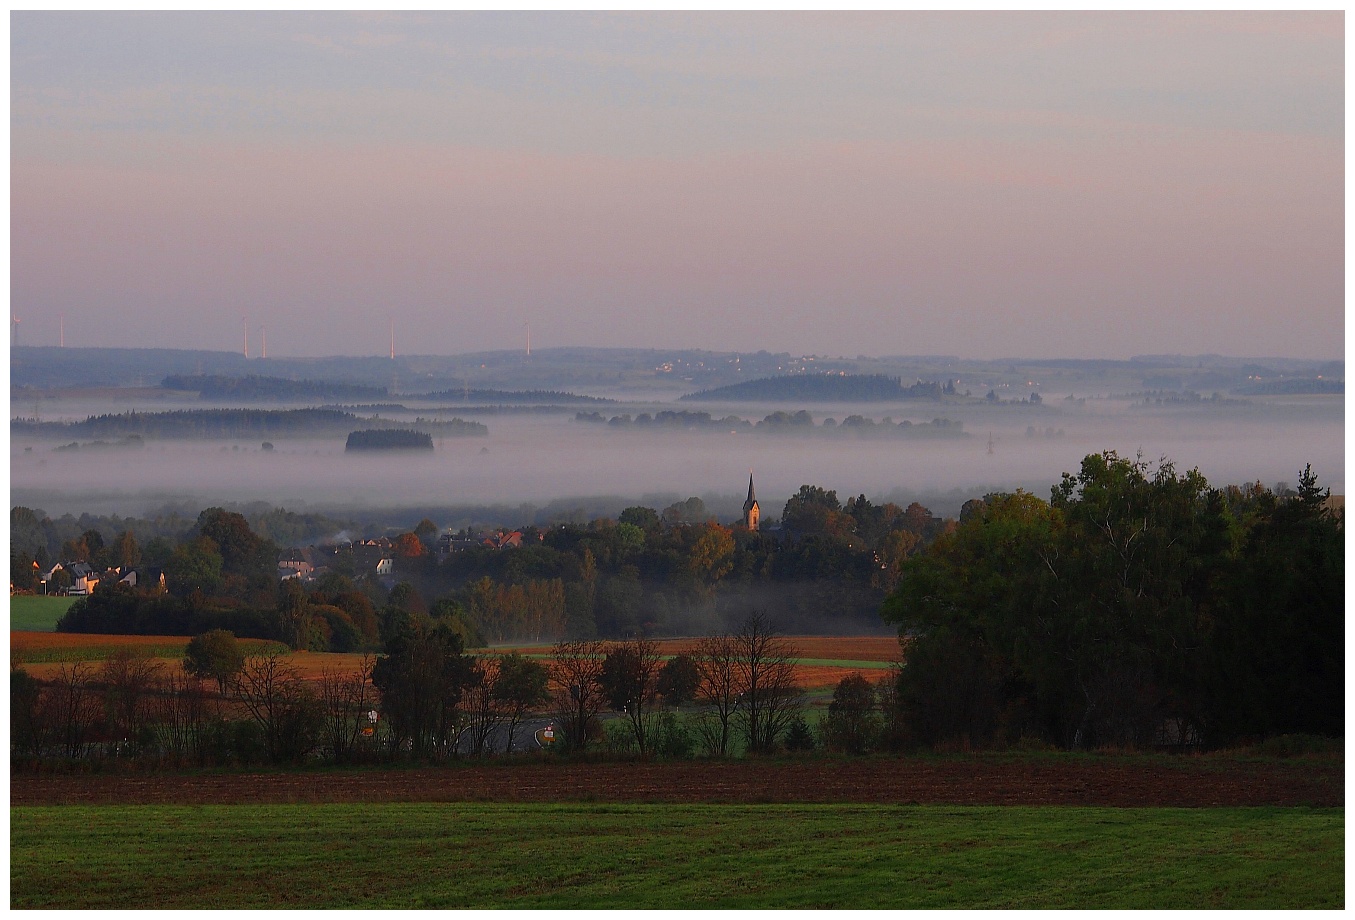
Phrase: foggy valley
(543, 458)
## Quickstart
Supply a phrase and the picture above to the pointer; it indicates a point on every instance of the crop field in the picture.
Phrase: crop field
(35, 613)
(457, 855)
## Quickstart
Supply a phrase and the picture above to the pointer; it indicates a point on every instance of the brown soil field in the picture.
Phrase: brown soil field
(36, 641)
(992, 779)
(840, 648)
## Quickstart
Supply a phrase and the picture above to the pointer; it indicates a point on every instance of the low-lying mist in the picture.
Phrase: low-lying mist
(536, 460)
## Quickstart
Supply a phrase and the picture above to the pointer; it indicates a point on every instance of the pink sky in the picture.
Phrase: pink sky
(1059, 185)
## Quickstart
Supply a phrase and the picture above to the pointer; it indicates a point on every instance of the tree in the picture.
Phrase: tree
(815, 510)
(853, 723)
(522, 685)
(346, 698)
(214, 655)
(30, 725)
(1083, 621)
(691, 511)
(243, 553)
(714, 658)
(679, 680)
(422, 678)
(712, 554)
(281, 703)
(1276, 659)
(764, 668)
(194, 566)
(296, 626)
(644, 518)
(128, 676)
(483, 710)
(628, 679)
(576, 690)
(408, 546)
(427, 532)
(125, 553)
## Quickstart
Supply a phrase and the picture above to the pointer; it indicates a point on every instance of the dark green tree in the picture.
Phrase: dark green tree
(679, 679)
(853, 722)
(216, 655)
(422, 677)
(522, 686)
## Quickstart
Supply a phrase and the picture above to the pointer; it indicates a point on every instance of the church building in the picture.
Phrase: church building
(751, 512)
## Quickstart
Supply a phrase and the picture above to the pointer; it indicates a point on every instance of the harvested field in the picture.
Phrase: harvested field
(992, 779)
(831, 648)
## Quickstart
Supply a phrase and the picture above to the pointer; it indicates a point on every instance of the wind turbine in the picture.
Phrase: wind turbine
(14, 329)
(246, 320)
(61, 329)
(263, 350)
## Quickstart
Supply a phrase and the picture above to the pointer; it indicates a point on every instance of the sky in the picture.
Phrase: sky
(978, 184)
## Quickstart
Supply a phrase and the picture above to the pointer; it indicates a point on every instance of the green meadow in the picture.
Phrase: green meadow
(452, 855)
(34, 613)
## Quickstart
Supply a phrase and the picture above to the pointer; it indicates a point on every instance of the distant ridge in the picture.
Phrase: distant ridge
(255, 387)
(821, 388)
(491, 397)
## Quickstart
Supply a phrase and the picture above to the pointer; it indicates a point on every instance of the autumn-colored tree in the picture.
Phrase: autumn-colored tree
(408, 546)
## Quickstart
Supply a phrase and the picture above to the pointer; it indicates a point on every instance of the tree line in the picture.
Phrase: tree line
(1137, 607)
(732, 694)
(659, 572)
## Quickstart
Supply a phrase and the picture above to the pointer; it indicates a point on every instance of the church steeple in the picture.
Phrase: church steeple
(751, 512)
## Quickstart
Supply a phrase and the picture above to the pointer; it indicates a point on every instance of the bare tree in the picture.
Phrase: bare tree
(281, 703)
(719, 689)
(181, 712)
(128, 676)
(483, 709)
(577, 695)
(346, 698)
(31, 725)
(764, 667)
(73, 708)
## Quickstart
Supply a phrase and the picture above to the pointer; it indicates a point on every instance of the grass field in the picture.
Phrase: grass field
(443, 855)
(41, 649)
(35, 613)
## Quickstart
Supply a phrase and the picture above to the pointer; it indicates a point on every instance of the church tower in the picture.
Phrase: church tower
(750, 508)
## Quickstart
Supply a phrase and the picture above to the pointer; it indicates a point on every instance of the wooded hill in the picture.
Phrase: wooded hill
(825, 388)
(230, 423)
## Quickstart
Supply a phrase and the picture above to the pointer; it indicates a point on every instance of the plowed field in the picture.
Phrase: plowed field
(1111, 780)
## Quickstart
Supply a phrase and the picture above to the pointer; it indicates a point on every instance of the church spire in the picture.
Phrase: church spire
(751, 512)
